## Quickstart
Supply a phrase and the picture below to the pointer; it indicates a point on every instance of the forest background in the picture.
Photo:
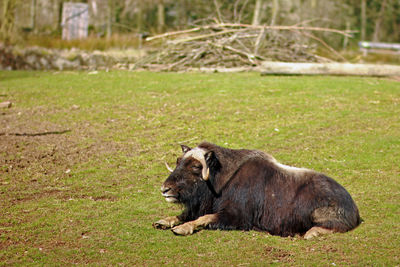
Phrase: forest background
(373, 20)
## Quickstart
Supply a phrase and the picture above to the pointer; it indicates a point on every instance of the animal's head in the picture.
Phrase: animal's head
(191, 171)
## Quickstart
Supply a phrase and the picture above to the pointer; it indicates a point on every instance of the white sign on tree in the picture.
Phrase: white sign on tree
(75, 21)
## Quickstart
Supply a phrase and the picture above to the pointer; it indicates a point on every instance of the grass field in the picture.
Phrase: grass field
(82, 161)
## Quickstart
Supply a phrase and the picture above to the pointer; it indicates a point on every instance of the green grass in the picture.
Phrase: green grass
(89, 196)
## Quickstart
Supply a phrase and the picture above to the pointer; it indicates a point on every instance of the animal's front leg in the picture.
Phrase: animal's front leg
(167, 223)
(189, 227)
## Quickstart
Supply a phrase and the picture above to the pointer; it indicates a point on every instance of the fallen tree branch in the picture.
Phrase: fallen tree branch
(286, 28)
(168, 34)
(233, 45)
(238, 25)
(37, 134)
(218, 10)
(289, 68)
(205, 36)
(326, 45)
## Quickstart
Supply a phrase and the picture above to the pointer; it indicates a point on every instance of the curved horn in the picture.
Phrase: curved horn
(206, 173)
(199, 154)
(168, 167)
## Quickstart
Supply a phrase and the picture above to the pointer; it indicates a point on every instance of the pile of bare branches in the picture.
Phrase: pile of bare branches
(222, 45)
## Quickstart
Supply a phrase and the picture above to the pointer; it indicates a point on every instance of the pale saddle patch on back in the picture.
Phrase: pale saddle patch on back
(290, 169)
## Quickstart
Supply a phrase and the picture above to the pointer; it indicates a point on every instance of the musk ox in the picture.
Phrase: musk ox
(242, 189)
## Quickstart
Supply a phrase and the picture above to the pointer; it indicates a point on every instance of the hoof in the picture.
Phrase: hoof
(162, 224)
(317, 231)
(184, 229)
(166, 223)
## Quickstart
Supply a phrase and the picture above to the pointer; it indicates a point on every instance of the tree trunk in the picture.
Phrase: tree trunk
(161, 15)
(346, 38)
(313, 3)
(33, 15)
(7, 20)
(256, 14)
(216, 4)
(275, 11)
(396, 28)
(378, 22)
(56, 15)
(110, 12)
(363, 19)
(139, 17)
(182, 11)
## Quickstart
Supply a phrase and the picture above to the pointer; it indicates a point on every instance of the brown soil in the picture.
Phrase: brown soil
(279, 255)
(36, 156)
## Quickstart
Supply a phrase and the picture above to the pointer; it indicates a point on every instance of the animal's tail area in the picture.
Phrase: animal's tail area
(340, 220)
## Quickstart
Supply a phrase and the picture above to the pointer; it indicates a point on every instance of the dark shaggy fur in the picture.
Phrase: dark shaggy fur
(247, 189)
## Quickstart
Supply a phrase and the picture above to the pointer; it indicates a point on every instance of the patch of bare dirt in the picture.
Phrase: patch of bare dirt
(37, 156)
(328, 249)
(278, 255)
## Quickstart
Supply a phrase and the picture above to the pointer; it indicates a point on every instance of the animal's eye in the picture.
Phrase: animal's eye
(196, 168)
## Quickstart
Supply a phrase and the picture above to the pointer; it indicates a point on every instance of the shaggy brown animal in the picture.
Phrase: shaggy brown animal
(228, 189)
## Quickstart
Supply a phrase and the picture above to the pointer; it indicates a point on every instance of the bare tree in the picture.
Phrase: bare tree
(313, 3)
(139, 16)
(275, 10)
(182, 12)
(33, 14)
(110, 12)
(378, 21)
(217, 7)
(363, 19)
(7, 20)
(256, 14)
(161, 15)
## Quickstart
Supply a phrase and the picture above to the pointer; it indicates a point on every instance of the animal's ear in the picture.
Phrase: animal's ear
(208, 156)
(185, 148)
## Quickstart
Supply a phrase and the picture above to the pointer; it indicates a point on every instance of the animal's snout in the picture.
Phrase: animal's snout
(165, 189)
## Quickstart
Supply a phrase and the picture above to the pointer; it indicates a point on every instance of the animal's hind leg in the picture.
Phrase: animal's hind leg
(316, 231)
(326, 220)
